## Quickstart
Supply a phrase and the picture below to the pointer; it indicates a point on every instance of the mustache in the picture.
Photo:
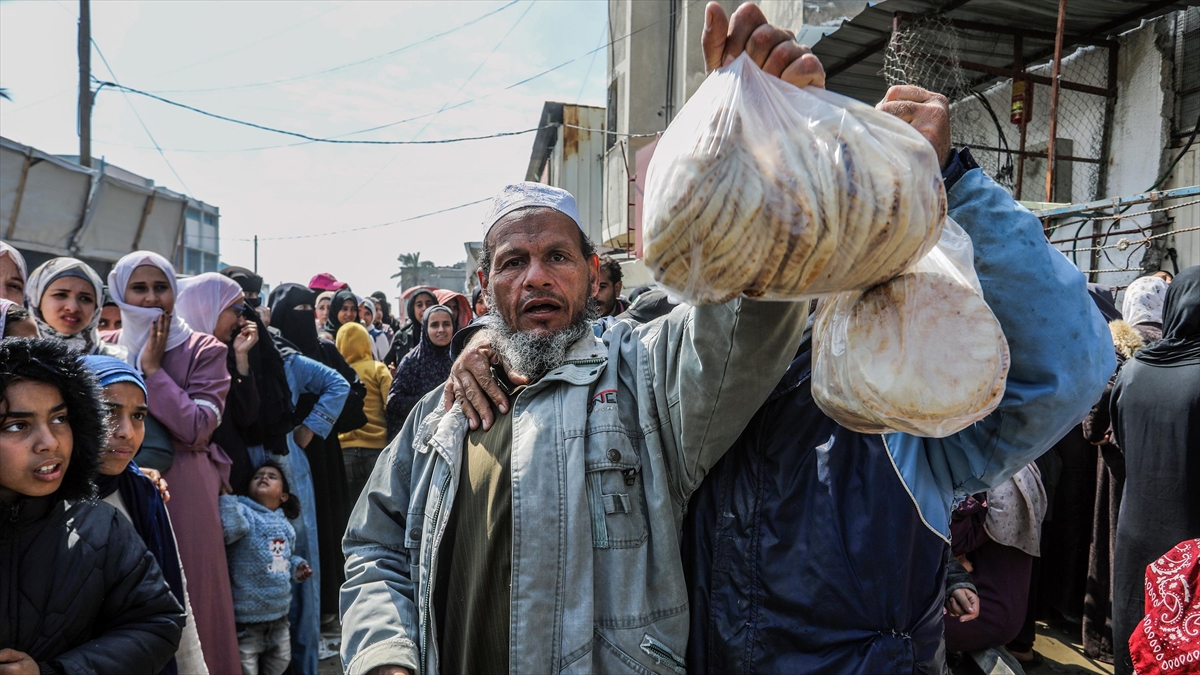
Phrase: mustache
(542, 295)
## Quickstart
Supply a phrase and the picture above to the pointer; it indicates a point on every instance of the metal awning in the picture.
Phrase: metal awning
(853, 55)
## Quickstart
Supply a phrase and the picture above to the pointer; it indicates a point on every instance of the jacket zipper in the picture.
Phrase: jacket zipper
(661, 655)
(437, 511)
(585, 362)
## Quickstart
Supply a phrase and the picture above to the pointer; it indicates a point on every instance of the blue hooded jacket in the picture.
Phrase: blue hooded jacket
(816, 549)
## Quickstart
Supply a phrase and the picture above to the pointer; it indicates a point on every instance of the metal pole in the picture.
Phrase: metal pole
(256, 254)
(85, 84)
(1026, 109)
(1058, 45)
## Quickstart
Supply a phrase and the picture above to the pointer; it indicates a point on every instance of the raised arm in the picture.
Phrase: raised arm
(1060, 345)
(193, 413)
(233, 520)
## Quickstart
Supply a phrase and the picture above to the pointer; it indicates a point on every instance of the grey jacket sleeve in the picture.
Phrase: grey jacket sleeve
(710, 368)
(378, 603)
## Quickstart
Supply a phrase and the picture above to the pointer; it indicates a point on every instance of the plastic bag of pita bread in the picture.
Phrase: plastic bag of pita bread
(921, 353)
(765, 189)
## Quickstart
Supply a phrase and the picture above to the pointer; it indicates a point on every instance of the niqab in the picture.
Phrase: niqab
(1180, 343)
(87, 340)
(202, 298)
(136, 322)
(295, 325)
(249, 282)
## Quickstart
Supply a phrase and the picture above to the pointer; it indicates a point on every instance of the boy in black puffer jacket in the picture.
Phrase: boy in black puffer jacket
(79, 592)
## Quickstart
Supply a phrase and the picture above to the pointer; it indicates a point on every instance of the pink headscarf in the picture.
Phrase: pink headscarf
(202, 298)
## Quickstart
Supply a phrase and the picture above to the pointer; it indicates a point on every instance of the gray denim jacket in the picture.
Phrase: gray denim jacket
(607, 448)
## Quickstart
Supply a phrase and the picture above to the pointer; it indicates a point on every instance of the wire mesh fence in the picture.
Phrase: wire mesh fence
(939, 54)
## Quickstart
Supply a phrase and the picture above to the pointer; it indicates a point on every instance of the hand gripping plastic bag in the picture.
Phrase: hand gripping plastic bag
(921, 353)
(773, 191)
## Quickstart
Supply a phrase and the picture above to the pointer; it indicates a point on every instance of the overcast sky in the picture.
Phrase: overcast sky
(201, 53)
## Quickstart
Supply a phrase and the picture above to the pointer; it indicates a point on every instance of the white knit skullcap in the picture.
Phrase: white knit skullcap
(526, 194)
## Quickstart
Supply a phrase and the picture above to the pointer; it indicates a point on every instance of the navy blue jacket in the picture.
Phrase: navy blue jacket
(815, 549)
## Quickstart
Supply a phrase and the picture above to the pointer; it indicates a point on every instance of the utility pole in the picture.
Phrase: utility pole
(85, 84)
(256, 254)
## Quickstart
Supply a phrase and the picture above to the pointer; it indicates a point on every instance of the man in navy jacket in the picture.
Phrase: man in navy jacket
(816, 549)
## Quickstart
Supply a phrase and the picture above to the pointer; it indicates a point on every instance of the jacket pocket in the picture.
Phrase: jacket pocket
(615, 492)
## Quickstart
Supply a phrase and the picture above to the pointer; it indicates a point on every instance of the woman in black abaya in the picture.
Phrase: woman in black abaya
(1156, 423)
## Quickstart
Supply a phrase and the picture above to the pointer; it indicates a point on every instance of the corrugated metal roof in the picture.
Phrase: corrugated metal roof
(853, 55)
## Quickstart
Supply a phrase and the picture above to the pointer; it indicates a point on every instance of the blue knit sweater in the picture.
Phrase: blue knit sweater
(259, 544)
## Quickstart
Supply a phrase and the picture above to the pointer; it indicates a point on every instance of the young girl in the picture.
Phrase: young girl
(260, 544)
(187, 383)
(80, 591)
(64, 297)
(140, 499)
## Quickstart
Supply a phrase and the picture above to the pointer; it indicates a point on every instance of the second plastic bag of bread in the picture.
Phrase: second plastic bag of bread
(921, 353)
(764, 189)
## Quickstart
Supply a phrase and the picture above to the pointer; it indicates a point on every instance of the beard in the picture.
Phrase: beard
(532, 355)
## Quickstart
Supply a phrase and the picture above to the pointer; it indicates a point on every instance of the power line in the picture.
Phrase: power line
(448, 101)
(296, 78)
(583, 85)
(311, 139)
(145, 128)
(367, 227)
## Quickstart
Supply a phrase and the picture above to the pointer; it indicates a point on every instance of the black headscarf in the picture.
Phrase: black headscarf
(1180, 343)
(335, 305)
(249, 281)
(296, 326)
(1103, 297)
(419, 372)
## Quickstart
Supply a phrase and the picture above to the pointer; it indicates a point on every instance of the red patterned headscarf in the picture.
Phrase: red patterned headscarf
(1168, 639)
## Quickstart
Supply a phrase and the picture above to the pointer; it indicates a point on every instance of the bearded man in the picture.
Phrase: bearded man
(550, 540)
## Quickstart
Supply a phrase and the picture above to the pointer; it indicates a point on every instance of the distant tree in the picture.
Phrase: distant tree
(410, 269)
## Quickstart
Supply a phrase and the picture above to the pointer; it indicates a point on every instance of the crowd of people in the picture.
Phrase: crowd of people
(558, 475)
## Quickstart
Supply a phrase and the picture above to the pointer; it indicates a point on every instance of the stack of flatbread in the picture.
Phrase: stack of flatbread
(782, 206)
(921, 353)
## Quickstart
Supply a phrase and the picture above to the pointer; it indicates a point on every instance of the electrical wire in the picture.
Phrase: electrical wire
(591, 63)
(297, 78)
(145, 128)
(310, 139)
(366, 227)
(458, 91)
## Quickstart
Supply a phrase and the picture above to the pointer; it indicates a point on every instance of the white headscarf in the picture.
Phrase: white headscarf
(1015, 511)
(1144, 301)
(87, 340)
(202, 298)
(7, 250)
(136, 322)
(5, 303)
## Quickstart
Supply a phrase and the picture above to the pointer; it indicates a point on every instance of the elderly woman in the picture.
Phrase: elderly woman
(1156, 423)
(64, 297)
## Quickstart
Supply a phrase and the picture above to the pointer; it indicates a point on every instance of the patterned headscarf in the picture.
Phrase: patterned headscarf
(136, 322)
(1144, 301)
(87, 340)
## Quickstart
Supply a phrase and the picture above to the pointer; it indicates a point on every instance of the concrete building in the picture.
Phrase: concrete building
(651, 74)
(52, 206)
(568, 153)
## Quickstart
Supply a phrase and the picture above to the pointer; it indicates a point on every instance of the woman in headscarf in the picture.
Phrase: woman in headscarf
(64, 296)
(1156, 424)
(416, 300)
(368, 315)
(321, 309)
(384, 317)
(459, 306)
(123, 485)
(187, 382)
(110, 315)
(250, 282)
(213, 303)
(1143, 307)
(361, 447)
(319, 394)
(12, 274)
(422, 369)
(343, 309)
